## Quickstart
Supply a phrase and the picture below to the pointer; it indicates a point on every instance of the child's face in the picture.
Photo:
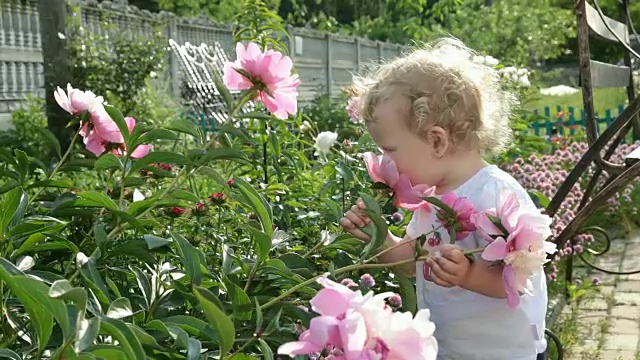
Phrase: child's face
(416, 156)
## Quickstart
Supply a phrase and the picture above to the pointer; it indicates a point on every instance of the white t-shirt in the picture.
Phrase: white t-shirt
(470, 325)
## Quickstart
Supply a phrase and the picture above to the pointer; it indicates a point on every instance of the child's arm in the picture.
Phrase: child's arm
(354, 220)
(400, 253)
(485, 279)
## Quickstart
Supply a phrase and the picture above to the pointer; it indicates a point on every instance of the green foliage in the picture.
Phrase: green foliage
(219, 10)
(330, 114)
(25, 135)
(518, 33)
(256, 22)
(115, 63)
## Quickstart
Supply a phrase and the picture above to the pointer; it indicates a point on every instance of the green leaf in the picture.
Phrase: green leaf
(108, 161)
(21, 209)
(23, 164)
(144, 285)
(223, 90)
(88, 270)
(239, 300)
(127, 340)
(193, 326)
(186, 127)
(117, 117)
(255, 115)
(100, 235)
(144, 338)
(10, 185)
(220, 322)
(539, 198)
(258, 204)
(184, 195)
(407, 293)
(42, 309)
(266, 350)
(132, 248)
(8, 208)
(224, 153)
(156, 134)
(262, 242)
(231, 129)
(95, 199)
(183, 340)
(110, 352)
(62, 289)
(160, 157)
(295, 261)
(274, 324)
(120, 308)
(191, 257)
(51, 139)
(208, 171)
(259, 316)
(63, 184)
(34, 225)
(155, 241)
(87, 333)
(9, 354)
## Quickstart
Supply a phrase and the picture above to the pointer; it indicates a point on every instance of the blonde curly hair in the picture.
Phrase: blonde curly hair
(445, 87)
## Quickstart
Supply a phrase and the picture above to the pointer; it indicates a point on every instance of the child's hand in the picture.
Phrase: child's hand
(450, 267)
(354, 219)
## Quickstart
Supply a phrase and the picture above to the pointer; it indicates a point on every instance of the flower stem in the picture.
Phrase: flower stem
(352, 268)
(62, 160)
(403, 242)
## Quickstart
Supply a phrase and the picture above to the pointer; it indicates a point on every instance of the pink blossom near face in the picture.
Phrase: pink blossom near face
(381, 169)
(269, 73)
(463, 211)
(140, 151)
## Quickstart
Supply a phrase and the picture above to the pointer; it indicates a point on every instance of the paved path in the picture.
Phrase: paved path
(607, 324)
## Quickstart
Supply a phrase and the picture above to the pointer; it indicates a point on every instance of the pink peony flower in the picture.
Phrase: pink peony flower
(140, 151)
(351, 326)
(269, 73)
(458, 216)
(75, 101)
(101, 128)
(518, 240)
(381, 169)
(353, 109)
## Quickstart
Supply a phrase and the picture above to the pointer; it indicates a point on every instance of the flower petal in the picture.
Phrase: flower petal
(497, 250)
(330, 302)
(141, 151)
(511, 286)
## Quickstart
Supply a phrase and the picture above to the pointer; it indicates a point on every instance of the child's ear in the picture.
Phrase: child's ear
(439, 139)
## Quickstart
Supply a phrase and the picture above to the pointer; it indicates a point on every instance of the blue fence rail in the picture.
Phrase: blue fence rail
(566, 121)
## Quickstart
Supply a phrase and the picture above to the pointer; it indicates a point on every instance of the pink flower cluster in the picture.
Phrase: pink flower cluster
(518, 238)
(352, 326)
(269, 74)
(546, 173)
(100, 132)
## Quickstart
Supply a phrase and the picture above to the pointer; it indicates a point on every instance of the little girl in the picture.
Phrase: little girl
(436, 112)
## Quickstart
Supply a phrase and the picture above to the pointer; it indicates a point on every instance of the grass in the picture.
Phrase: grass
(604, 98)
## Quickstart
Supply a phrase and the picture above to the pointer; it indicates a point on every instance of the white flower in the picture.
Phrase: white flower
(510, 70)
(524, 81)
(137, 195)
(325, 141)
(305, 126)
(61, 36)
(491, 61)
(523, 72)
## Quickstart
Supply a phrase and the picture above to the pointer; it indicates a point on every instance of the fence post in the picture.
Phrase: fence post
(292, 42)
(52, 15)
(572, 121)
(329, 79)
(172, 32)
(380, 50)
(358, 53)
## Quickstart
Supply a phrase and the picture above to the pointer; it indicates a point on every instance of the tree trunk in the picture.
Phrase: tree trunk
(52, 15)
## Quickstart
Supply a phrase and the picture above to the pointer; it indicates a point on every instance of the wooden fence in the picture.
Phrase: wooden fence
(324, 61)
